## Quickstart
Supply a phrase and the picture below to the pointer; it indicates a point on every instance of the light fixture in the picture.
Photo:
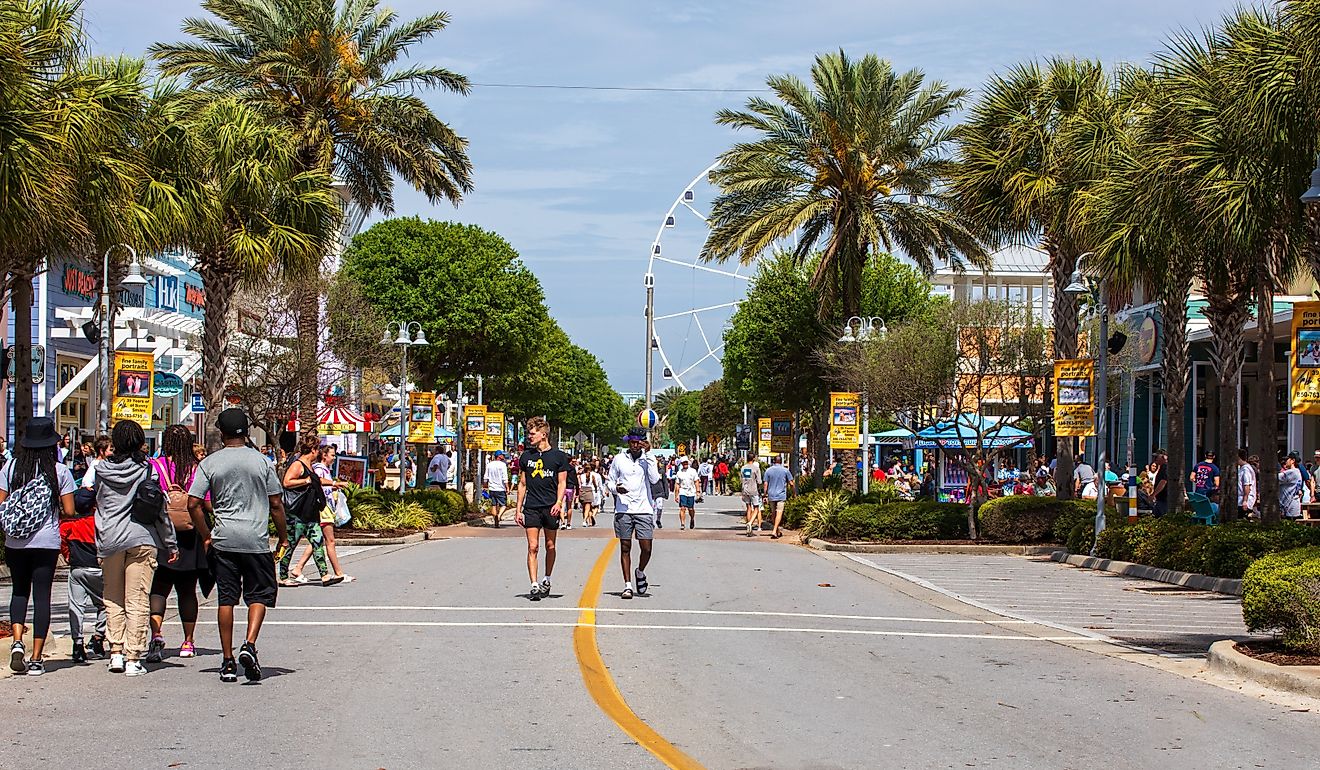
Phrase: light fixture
(135, 279)
(402, 339)
(1313, 194)
(1076, 287)
(385, 337)
(848, 335)
(420, 339)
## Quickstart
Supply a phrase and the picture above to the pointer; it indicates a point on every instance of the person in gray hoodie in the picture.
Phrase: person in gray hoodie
(126, 548)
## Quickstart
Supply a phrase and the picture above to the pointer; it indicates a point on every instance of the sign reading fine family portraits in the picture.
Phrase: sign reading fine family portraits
(1305, 366)
(781, 432)
(132, 387)
(421, 417)
(1074, 400)
(763, 437)
(843, 420)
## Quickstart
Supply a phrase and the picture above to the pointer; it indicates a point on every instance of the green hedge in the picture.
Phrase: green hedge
(1281, 593)
(920, 520)
(445, 505)
(1175, 542)
(1030, 519)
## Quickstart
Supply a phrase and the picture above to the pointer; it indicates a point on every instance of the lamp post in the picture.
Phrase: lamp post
(867, 328)
(404, 338)
(1077, 287)
(134, 279)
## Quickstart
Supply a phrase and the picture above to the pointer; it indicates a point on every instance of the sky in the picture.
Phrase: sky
(579, 181)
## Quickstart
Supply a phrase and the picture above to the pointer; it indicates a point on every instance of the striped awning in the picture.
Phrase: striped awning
(332, 420)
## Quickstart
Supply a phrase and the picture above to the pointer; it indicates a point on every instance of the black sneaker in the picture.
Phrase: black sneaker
(534, 593)
(247, 658)
(79, 654)
(97, 645)
(16, 654)
(229, 671)
(642, 585)
(35, 668)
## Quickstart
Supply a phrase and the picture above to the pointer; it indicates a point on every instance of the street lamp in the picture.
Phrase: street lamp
(867, 328)
(1079, 286)
(1312, 195)
(134, 280)
(404, 337)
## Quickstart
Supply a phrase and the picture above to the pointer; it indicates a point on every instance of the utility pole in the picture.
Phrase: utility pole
(650, 332)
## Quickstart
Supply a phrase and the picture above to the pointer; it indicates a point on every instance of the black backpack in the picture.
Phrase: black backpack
(148, 500)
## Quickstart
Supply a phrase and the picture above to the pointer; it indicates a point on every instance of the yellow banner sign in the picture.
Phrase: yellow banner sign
(781, 432)
(421, 418)
(1074, 397)
(845, 411)
(763, 437)
(494, 431)
(134, 373)
(474, 426)
(1305, 366)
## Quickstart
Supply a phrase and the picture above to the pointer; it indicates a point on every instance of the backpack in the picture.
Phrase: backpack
(176, 500)
(27, 510)
(148, 500)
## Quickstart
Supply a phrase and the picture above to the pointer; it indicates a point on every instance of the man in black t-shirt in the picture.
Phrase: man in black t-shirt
(1161, 490)
(544, 472)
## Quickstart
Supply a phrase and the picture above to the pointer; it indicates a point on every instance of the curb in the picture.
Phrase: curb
(967, 550)
(416, 537)
(1217, 585)
(1227, 660)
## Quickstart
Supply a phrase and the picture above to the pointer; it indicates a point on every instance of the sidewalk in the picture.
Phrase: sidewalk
(1168, 618)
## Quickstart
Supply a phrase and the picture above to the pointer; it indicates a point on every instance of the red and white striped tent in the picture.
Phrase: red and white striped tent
(333, 420)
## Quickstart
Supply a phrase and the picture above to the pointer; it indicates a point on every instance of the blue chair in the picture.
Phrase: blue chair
(1203, 511)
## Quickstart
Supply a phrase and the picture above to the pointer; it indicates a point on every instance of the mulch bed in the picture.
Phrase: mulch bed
(373, 533)
(5, 629)
(925, 542)
(1274, 652)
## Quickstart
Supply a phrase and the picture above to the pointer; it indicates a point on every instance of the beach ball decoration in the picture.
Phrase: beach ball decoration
(647, 418)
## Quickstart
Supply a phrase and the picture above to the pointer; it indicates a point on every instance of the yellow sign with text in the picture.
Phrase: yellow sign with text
(494, 432)
(781, 433)
(134, 373)
(1305, 365)
(1074, 397)
(845, 410)
(474, 426)
(421, 418)
(763, 437)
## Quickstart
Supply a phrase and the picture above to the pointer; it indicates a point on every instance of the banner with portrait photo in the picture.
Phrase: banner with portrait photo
(763, 437)
(1074, 397)
(781, 433)
(474, 426)
(134, 373)
(494, 440)
(1304, 368)
(845, 410)
(421, 417)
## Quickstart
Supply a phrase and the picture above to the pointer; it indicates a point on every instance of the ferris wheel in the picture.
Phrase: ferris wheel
(692, 301)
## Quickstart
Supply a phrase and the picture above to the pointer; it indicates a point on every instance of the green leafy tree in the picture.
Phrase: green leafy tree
(853, 164)
(482, 309)
(328, 73)
(719, 414)
(682, 423)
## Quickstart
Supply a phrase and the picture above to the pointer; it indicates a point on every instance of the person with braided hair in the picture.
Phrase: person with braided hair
(175, 467)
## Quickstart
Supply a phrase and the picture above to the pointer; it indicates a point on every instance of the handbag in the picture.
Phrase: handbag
(148, 500)
(27, 510)
(305, 503)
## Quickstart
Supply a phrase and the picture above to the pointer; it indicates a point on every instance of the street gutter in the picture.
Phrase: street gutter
(1217, 585)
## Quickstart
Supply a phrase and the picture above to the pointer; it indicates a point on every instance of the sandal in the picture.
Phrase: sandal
(289, 583)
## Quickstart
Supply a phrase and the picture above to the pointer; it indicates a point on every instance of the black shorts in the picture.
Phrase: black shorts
(251, 575)
(539, 518)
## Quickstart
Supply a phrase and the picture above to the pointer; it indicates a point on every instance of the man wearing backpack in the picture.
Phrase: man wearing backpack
(245, 499)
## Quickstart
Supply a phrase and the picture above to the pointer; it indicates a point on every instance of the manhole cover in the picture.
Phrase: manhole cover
(1164, 589)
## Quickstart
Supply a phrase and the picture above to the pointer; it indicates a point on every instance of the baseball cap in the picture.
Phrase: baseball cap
(84, 500)
(635, 434)
(499, 452)
(232, 423)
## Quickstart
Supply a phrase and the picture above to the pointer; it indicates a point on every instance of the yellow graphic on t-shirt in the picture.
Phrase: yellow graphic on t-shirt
(538, 469)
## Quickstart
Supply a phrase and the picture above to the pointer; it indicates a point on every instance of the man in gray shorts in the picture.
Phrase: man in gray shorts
(631, 475)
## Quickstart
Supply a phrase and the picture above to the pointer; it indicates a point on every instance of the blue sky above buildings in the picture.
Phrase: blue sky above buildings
(579, 181)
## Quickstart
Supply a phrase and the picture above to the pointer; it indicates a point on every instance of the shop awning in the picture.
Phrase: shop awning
(968, 431)
(332, 420)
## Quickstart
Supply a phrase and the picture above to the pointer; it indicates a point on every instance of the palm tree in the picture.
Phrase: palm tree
(69, 170)
(665, 399)
(228, 180)
(1026, 159)
(858, 158)
(326, 72)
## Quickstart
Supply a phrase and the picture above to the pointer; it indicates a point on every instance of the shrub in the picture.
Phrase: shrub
(1029, 519)
(440, 504)
(1281, 593)
(880, 493)
(1069, 520)
(795, 510)
(824, 514)
(921, 520)
(1175, 542)
(408, 515)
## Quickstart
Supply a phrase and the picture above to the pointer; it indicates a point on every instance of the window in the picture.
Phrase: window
(74, 411)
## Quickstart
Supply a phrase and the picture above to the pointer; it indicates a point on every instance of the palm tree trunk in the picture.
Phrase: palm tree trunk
(1062, 263)
(1227, 313)
(1261, 436)
(1177, 367)
(819, 445)
(309, 316)
(21, 299)
(220, 285)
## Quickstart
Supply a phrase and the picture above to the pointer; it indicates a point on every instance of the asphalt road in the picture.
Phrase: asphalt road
(747, 654)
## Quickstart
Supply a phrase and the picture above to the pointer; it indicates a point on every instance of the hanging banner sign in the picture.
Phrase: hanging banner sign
(1305, 365)
(134, 373)
(763, 437)
(781, 432)
(1074, 397)
(742, 440)
(844, 411)
(474, 426)
(421, 417)
(494, 431)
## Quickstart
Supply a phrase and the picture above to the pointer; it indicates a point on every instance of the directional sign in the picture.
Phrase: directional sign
(198, 403)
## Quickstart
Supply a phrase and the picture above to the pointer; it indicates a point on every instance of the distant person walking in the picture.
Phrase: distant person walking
(634, 475)
(86, 587)
(437, 472)
(687, 480)
(304, 500)
(750, 474)
(175, 468)
(541, 500)
(496, 483)
(778, 481)
(1205, 477)
(31, 558)
(245, 496)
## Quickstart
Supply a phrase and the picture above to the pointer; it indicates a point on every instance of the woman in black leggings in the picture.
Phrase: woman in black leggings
(175, 468)
(31, 559)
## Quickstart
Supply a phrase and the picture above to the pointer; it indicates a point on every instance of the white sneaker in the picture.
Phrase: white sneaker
(116, 663)
(134, 668)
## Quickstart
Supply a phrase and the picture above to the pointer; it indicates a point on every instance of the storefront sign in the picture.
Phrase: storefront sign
(167, 292)
(781, 432)
(1074, 398)
(194, 296)
(763, 437)
(474, 426)
(38, 363)
(79, 283)
(132, 387)
(421, 417)
(1148, 338)
(167, 385)
(844, 408)
(1305, 365)
(494, 431)
(198, 403)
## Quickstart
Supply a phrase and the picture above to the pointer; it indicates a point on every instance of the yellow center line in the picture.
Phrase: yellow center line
(601, 685)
